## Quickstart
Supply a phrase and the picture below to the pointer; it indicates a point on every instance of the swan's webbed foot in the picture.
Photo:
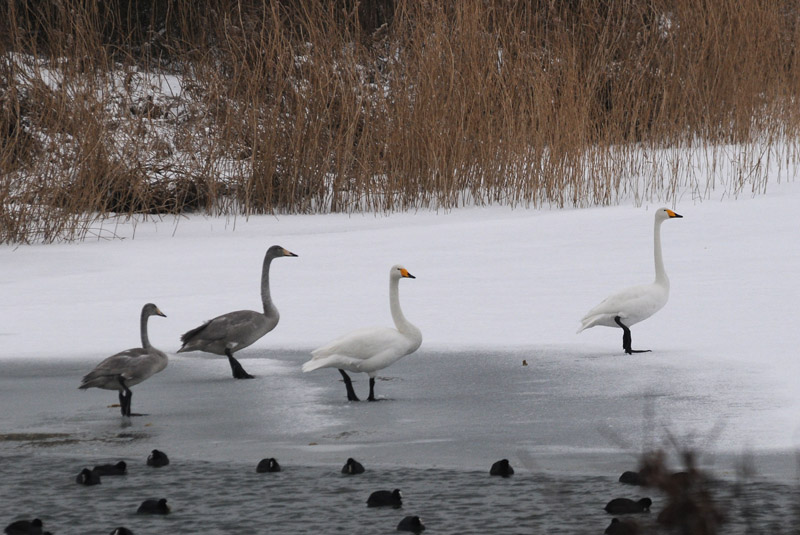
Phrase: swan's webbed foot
(236, 368)
(626, 338)
(351, 394)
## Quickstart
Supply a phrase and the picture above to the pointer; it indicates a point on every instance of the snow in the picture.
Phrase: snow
(494, 285)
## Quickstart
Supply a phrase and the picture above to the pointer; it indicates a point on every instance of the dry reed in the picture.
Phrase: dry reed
(249, 107)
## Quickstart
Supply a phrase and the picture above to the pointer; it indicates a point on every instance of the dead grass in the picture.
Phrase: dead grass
(385, 105)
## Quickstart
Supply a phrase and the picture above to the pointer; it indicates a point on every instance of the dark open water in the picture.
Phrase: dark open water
(217, 498)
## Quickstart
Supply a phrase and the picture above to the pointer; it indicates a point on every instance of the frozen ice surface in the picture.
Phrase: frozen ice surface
(568, 411)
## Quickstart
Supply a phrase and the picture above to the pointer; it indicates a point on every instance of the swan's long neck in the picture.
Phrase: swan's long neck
(266, 298)
(661, 274)
(400, 321)
(143, 329)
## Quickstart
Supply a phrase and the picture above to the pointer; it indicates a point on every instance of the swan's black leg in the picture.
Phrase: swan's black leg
(351, 394)
(371, 389)
(122, 401)
(236, 368)
(128, 408)
(125, 397)
(626, 338)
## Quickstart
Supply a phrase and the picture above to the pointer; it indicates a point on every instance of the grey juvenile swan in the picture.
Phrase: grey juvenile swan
(129, 367)
(227, 334)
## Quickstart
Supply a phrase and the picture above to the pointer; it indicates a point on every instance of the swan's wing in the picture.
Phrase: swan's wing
(366, 350)
(616, 302)
(361, 344)
(633, 304)
(232, 326)
(135, 364)
(334, 361)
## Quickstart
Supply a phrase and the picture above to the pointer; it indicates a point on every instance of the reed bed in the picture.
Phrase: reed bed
(250, 107)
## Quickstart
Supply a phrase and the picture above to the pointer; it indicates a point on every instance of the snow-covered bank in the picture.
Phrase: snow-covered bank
(486, 277)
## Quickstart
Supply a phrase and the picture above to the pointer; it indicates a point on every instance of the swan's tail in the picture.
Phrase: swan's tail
(98, 379)
(313, 364)
(186, 338)
(587, 322)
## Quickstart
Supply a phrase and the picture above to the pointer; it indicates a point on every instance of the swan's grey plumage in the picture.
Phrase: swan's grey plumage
(637, 303)
(130, 367)
(231, 332)
(371, 349)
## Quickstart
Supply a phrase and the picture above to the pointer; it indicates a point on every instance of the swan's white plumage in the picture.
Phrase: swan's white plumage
(632, 305)
(365, 350)
(636, 303)
(371, 349)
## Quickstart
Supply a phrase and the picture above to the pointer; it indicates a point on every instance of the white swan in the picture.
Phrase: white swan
(129, 367)
(373, 348)
(636, 303)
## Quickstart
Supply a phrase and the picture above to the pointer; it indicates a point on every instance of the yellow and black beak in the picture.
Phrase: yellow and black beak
(158, 312)
(286, 252)
(404, 272)
(673, 214)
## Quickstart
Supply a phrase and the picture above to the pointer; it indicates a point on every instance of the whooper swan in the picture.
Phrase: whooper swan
(636, 303)
(370, 349)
